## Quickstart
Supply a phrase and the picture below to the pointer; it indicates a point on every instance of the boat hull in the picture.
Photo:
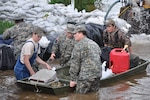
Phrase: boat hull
(116, 77)
(141, 68)
(26, 85)
(41, 88)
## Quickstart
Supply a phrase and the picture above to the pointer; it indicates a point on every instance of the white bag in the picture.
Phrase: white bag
(106, 73)
(44, 42)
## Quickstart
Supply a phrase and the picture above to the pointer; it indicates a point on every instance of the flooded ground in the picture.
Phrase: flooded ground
(134, 88)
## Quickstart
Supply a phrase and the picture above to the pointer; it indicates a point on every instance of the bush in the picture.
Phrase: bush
(88, 5)
(5, 25)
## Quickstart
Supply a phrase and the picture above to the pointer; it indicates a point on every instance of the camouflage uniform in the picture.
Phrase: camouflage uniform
(139, 23)
(19, 33)
(116, 39)
(145, 21)
(129, 16)
(64, 46)
(85, 66)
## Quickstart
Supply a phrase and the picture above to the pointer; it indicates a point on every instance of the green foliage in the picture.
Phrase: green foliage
(88, 5)
(4, 25)
(65, 2)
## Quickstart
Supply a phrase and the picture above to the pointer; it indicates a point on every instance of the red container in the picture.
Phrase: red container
(119, 60)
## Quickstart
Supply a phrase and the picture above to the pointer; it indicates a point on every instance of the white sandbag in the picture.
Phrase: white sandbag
(41, 1)
(20, 11)
(1, 4)
(44, 42)
(13, 1)
(48, 8)
(37, 9)
(61, 21)
(73, 14)
(8, 4)
(32, 12)
(97, 12)
(21, 3)
(43, 76)
(3, 16)
(30, 19)
(27, 6)
(97, 20)
(31, 16)
(9, 8)
(37, 21)
(1, 9)
(41, 14)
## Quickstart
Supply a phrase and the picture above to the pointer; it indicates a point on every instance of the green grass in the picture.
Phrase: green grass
(88, 5)
(5, 25)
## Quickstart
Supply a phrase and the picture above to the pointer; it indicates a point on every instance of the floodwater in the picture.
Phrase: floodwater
(134, 88)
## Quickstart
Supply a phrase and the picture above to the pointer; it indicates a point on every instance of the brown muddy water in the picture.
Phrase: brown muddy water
(134, 88)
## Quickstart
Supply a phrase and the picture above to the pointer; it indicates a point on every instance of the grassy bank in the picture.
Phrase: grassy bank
(5, 25)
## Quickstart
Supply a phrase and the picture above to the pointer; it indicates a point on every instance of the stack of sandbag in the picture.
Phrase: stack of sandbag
(52, 17)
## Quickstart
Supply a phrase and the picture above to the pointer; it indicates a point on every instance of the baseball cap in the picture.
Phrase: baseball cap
(110, 22)
(79, 28)
(70, 28)
(39, 31)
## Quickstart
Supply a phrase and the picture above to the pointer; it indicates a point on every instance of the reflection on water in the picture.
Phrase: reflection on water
(7, 87)
(135, 88)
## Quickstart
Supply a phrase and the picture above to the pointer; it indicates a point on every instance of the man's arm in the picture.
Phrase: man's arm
(55, 49)
(7, 34)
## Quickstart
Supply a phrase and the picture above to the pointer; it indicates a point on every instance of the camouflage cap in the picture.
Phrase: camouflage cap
(70, 28)
(110, 22)
(79, 29)
(39, 31)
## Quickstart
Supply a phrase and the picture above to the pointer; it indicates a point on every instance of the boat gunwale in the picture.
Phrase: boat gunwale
(42, 85)
(124, 75)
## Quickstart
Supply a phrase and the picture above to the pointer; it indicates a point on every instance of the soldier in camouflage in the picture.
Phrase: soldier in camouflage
(64, 45)
(19, 33)
(85, 69)
(113, 37)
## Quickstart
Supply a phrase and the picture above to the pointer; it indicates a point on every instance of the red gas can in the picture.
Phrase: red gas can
(119, 60)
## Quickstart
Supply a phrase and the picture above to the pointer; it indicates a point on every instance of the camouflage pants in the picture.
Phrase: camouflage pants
(89, 85)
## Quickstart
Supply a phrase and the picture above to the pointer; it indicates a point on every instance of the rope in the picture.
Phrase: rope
(124, 10)
(37, 90)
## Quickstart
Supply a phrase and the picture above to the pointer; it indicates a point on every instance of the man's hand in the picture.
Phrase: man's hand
(72, 83)
(52, 57)
(48, 66)
(125, 47)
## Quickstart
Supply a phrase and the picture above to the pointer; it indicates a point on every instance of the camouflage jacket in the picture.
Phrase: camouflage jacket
(19, 33)
(117, 39)
(64, 46)
(85, 60)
